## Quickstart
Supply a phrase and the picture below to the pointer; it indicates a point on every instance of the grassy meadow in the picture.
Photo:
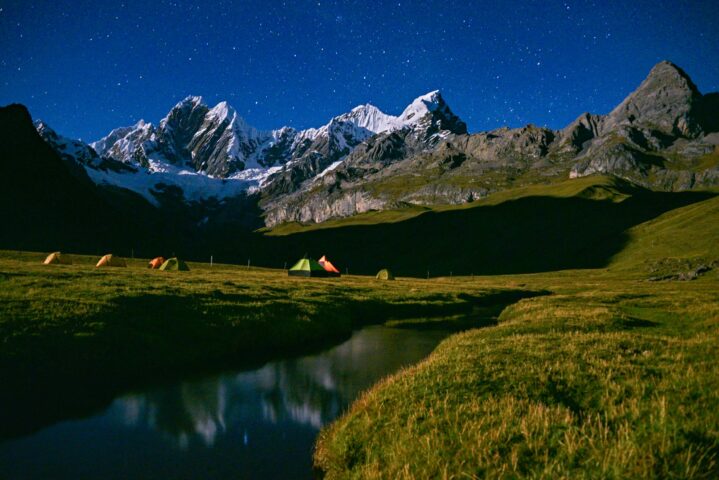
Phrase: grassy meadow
(605, 378)
(610, 376)
(602, 364)
(103, 330)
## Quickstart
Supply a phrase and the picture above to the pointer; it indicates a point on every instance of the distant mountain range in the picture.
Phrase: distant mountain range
(205, 166)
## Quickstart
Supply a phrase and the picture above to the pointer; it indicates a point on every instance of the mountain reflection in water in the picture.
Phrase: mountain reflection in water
(257, 424)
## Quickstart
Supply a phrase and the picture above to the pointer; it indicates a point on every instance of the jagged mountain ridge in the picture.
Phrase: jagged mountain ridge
(218, 142)
(198, 156)
(661, 135)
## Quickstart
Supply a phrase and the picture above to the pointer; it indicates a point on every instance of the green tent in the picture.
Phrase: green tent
(174, 263)
(307, 267)
(384, 274)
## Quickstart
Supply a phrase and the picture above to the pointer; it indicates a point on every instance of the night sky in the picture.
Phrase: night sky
(87, 67)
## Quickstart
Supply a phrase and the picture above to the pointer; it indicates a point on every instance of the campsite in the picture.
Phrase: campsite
(346, 240)
(122, 329)
(589, 363)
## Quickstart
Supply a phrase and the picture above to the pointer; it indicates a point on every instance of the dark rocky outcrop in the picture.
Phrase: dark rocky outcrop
(45, 201)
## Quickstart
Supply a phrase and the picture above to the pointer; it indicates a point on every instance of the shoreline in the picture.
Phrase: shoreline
(113, 330)
(606, 379)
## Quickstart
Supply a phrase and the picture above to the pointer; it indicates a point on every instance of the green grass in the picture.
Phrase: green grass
(611, 376)
(106, 330)
(589, 373)
(690, 232)
(594, 187)
(607, 378)
(705, 162)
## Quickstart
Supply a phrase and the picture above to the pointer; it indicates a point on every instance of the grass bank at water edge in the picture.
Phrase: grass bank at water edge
(617, 381)
(73, 336)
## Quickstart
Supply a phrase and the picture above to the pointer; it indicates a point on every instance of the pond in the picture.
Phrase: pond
(258, 423)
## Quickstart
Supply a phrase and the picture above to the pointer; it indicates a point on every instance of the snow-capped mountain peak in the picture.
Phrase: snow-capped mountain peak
(191, 101)
(370, 117)
(203, 141)
(222, 111)
(183, 109)
(70, 150)
(421, 106)
(105, 143)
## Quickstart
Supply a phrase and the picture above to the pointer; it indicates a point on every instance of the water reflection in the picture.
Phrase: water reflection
(309, 391)
(255, 424)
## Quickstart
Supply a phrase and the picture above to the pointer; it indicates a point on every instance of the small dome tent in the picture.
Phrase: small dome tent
(307, 267)
(329, 268)
(175, 264)
(156, 263)
(384, 274)
(111, 261)
(56, 258)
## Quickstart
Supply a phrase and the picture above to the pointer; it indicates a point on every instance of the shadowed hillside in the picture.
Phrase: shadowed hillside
(49, 203)
(574, 229)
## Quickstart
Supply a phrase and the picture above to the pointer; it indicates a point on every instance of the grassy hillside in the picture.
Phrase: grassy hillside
(597, 187)
(690, 233)
(611, 376)
(576, 373)
(580, 223)
(604, 379)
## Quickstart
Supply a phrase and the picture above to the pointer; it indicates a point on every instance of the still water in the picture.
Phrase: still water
(248, 424)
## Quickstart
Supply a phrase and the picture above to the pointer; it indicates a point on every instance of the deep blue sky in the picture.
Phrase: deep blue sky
(89, 66)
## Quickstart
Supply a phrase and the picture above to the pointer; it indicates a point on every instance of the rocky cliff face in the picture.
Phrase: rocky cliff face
(665, 124)
(659, 136)
(666, 101)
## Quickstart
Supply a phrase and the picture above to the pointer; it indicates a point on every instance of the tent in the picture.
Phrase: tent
(307, 267)
(110, 261)
(327, 265)
(174, 263)
(156, 262)
(56, 258)
(384, 274)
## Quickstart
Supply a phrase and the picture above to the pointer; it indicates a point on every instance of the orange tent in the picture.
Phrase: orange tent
(156, 263)
(327, 265)
(110, 261)
(57, 258)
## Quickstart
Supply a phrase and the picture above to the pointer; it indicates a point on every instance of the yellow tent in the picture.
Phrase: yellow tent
(56, 258)
(110, 261)
(385, 274)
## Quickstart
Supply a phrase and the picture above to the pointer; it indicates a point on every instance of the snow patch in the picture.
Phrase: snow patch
(332, 166)
(195, 186)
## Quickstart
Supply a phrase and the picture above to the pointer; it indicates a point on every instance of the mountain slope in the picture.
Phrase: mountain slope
(208, 162)
(44, 202)
(659, 136)
(575, 224)
(683, 238)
